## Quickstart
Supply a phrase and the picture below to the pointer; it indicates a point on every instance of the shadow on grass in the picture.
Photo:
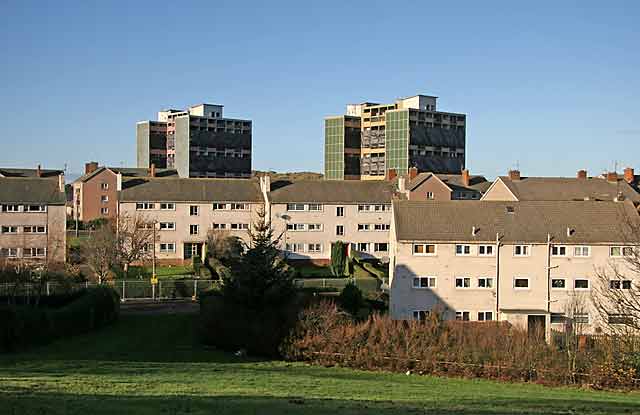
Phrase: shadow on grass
(55, 403)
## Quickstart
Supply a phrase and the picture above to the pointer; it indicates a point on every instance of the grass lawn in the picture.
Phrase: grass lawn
(150, 364)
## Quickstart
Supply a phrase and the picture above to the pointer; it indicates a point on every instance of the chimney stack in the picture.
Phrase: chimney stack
(61, 182)
(582, 174)
(612, 177)
(465, 177)
(90, 167)
(402, 188)
(514, 174)
(38, 171)
(391, 174)
(413, 173)
(629, 175)
(152, 170)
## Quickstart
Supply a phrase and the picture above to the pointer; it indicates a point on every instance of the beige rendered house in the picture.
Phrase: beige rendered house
(527, 263)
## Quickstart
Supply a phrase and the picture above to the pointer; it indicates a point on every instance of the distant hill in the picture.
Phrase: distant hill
(289, 176)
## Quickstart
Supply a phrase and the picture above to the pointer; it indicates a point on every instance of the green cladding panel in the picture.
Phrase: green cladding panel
(334, 148)
(397, 140)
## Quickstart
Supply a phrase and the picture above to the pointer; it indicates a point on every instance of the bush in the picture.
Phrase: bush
(326, 336)
(58, 316)
(350, 299)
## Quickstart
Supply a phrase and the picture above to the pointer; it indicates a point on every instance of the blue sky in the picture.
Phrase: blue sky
(549, 86)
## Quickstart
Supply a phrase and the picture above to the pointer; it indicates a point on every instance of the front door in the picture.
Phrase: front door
(192, 249)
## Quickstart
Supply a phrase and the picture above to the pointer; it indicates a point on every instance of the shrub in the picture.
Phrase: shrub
(350, 298)
(58, 316)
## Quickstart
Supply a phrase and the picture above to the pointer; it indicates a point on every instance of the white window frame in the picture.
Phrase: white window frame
(197, 210)
(581, 248)
(104, 186)
(34, 229)
(218, 226)
(461, 314)
(314, 250)
(575, 280)
(558, 279)
(364, 227)
(296, 227)
(339, 230)
(30, 208)
(558, 248)
(167, 249)
(528, 287)
(11, 253)
(314, 207)
(421, 315)
(621, 284)
(145, 205)
(221, 206)
(104, 198)
(169, 226)
(376, 245)
(486, 247)
(484, 316)
(429, 195)
(294, 247)
(197, 227)
(10, 229)
(339, 211)
(167, 206)
(11, 208)
(424, 247)
(527, 248)
(581, 316)
(381, 227)
(486, 280)
(314, 227)
(463, 248)
(624, 251)
(432, 282)
(463, 279)
(239, 206)
(294, 207)
(104, 211)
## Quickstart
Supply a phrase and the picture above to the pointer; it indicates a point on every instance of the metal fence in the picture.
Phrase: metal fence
(324, 283)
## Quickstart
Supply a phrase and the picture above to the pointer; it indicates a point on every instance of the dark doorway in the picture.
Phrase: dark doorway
(536, 326)
(192, 249)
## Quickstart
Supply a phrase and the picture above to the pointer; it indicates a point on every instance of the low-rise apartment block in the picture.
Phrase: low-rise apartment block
(311, 215)
(526, 262)
(196, 142)
(95, 194)
(371, 138)
(32, 216)
(184, 211)
(432, 186)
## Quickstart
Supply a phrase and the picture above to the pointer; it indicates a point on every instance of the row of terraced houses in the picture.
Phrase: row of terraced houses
(517, 249)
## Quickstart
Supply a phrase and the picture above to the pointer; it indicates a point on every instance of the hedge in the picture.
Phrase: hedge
(23, 326)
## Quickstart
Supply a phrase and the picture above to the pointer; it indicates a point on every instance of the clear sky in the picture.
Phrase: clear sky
(550, 86)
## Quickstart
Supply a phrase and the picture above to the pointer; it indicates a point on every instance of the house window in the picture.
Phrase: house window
(485, 316)
(620, 284)
(582, 318)
(145, 206)
(193, 229)
(381, 247)
(558, 318)
(34, 252)
(9, 229)
(104, 186)
(104, 199)
(297, 247)
(239, 226)
(314, 247)
(521, 283)
(167, 206)
(339, 230)
(11, 208)
(295, 206)
(363, 246)
(9, 252)
(463, 282)
(429, 195)
(485, 282)
(557, 250)
(581, 251)
(167, 226)
(363, 227)
(34, 229)
(581, 284)
(219, 226)
(104, 211)
(35, 208)
(462, 315)
(619, 251)
(194, 210)
(558, 283)
(314, 207)
(485, 250)
(340, 211)
(166, 247)
(295, 227)
(381, 227)
(424, 249)
(421, 315)
(220, 206)
(620, 319)
(239, 206)
(521, 250)
(424, 282)
(463, 250)
(364, 208)
(314, 227)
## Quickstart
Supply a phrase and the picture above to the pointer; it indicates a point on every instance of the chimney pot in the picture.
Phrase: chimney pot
(629, 175)
(514, 174)
(391, 174)
(612, 176)
(152, 170)
(90, 167)
(582, 174)
(465, 177)
(413, 173)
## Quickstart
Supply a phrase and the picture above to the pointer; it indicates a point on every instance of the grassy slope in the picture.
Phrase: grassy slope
(150, 364)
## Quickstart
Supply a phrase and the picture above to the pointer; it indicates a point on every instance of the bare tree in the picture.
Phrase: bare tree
(134, 236)
(223, 249)
(100, 251)
(576, 318)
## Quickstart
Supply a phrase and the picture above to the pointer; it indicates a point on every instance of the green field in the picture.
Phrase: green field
(151, 364)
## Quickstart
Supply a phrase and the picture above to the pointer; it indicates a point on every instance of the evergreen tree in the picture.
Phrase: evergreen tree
(261, 278)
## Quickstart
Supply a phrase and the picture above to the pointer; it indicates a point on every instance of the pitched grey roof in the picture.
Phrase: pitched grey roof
(334, 191)
(129, 172)
(592, 222)
(9, 172)
(566, 188)
(190, 190)
(31, 190)
(454, 181)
